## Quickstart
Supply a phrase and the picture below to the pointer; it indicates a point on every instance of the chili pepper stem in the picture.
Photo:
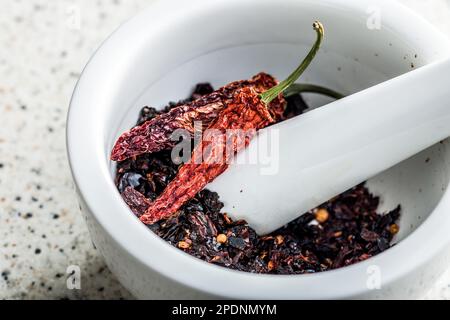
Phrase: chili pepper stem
(297, 88)
(269, 95)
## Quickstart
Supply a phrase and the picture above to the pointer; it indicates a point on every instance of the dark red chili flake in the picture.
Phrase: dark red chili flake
(135, 200)
(202, 225)
(155, 135)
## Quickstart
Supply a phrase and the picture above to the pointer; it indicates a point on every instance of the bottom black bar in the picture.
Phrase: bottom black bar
(132, 310)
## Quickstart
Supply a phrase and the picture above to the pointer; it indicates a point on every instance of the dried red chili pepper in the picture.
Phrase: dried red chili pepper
(248, 110)
(155, 135)
(245, 113)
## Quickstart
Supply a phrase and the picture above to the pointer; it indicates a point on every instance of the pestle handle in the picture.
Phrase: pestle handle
(333, 148)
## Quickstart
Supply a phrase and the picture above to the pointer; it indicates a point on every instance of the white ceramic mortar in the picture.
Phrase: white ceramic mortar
(161, 53)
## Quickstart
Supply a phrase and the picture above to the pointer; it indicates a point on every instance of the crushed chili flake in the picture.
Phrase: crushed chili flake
(352, 232)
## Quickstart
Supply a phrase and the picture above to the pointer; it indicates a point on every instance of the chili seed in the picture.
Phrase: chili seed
(279, 239)
(322, 215)
(183, 245)
(221, 238)
(394, 229)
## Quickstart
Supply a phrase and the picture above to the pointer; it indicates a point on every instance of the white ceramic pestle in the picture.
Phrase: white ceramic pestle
(326, 151)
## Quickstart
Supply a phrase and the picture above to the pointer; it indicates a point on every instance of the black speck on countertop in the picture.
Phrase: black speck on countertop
(5, 274)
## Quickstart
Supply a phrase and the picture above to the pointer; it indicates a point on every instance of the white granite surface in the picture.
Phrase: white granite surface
(43, 48)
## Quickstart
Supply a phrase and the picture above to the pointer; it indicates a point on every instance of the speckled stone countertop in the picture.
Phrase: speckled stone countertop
(45, 45)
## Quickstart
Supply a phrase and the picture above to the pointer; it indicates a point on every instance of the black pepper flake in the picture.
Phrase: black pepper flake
(5, 274)
(382, 244)
(237, 243)
(37, 251)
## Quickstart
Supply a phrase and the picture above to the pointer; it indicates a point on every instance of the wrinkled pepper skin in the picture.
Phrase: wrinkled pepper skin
(246, 114)
(155, 135)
